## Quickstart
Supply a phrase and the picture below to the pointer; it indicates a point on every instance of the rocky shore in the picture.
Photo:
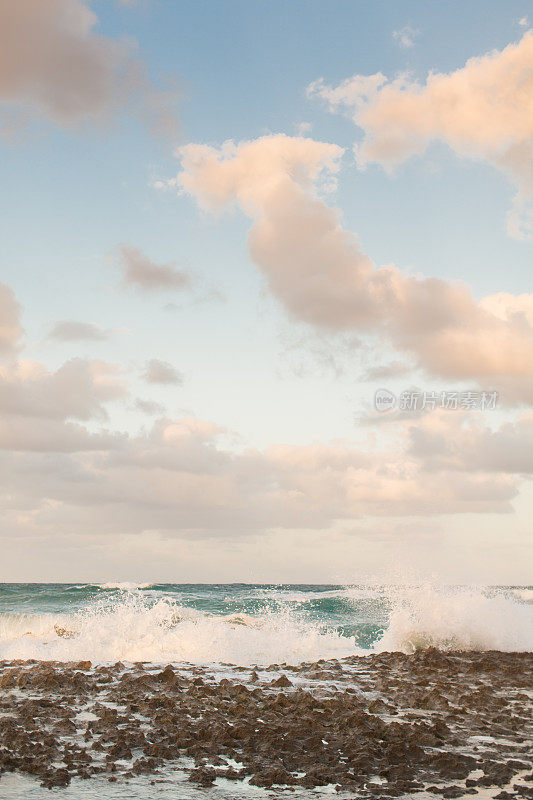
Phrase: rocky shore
(445, 724)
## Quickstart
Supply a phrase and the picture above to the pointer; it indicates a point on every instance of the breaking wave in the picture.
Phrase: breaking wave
(128, 625)
(456, 619)
(133, 630)
(123, 586)
(526, 595)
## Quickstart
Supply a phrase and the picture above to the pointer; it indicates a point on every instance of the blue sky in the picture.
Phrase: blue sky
(73, 193)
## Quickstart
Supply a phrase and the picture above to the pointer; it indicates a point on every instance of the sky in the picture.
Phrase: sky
(223, 228)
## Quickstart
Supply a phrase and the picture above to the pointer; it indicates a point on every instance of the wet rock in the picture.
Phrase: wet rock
(523, 791)
(281, 681)
(203, 776)
(323, 734)
(379, 707)
(54, 778)
(452, 791)
(167, 675)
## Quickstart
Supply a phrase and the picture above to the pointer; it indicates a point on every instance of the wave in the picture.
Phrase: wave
(131, 629)
(124, 586)
(526, 595)
(302, 596)
(456, 619)
(136, 626)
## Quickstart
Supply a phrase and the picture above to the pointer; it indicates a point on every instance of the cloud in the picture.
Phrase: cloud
(405, 36)
(523, 22)
(186, 477)
(143, 274)
(461, 442)
(321, 275)
(179, 479)
(38, 407)
(148, 407)
(73, 331)
(162, 372)
(483, 110)
(79, 389)
(304, 128)
(10, 327)
(41, 409)
(20, 433)
(384, 371)
(53, 64)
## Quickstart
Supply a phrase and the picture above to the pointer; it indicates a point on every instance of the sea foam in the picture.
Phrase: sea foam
(456, 619)
(132, 625)
(132, 629)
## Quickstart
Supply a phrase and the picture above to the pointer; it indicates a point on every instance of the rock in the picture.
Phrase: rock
(281, 681)
(167, 675)
(203, 776)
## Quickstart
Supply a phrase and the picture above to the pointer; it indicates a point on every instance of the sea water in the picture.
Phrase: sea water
(255, 624)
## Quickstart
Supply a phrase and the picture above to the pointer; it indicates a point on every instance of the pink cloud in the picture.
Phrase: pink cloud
(162, 372)
(483, 110)
(55, 65)
(79, 389)
(321, 275)
(10, 326)
(179, 478)
(141, 273)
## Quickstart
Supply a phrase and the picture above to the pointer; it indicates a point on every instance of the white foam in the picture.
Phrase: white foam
(300, 596)
(16, 626)
(526, 595)
(134, 626)
(456, 619)
(131, 629)
(124, 586)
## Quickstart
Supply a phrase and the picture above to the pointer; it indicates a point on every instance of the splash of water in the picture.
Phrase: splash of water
(124, 586)
(132, 629)
(456, 619)
(132, 625)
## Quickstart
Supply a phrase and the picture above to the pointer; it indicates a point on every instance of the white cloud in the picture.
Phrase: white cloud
(405, 36)
(10, 325)
(148, 407)
(79, 389)
(186, 477)
(178, 479)
(70, 330)
(322, 276)
(483, 110)
(55, 65)
(157, 371)
(44, 435)
(141, 273)
(41, 411)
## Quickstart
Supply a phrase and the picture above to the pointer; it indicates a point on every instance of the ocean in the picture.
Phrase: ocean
(221, 692)
(255, 624)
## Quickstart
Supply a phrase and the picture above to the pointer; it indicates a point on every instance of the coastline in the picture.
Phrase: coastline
(433, 724)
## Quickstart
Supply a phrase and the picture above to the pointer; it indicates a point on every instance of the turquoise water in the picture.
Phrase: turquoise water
(243, 623)
(357, 612)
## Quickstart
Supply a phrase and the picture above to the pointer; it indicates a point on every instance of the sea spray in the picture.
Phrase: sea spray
(131, 628)
(456, 619)
(254, 624)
